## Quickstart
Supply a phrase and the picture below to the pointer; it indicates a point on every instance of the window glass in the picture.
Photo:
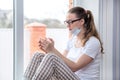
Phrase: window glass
(6, 40)
(43, 18)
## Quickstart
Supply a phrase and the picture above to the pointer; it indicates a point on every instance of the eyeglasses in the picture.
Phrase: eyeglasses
(71, 21)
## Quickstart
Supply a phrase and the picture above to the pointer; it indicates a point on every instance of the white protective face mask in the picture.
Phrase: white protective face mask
(75, 31)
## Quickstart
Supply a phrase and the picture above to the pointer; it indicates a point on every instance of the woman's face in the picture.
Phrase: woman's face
(72, 21)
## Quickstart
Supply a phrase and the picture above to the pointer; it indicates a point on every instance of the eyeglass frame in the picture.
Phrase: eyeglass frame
(71, 21)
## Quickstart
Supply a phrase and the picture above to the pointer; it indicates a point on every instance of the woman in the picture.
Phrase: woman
(81, 58)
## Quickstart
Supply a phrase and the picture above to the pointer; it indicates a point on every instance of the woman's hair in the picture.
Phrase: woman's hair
(89, 25)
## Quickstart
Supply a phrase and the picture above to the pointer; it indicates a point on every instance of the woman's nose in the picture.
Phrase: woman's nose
(68, 25)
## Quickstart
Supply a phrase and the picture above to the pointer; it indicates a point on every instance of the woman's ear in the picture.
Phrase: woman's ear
(82, 21)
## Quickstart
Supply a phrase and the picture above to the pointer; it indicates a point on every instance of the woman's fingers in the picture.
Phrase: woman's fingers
(46, 44)
(43, 43)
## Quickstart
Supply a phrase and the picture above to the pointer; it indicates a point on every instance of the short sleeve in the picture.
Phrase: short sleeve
(92, 47)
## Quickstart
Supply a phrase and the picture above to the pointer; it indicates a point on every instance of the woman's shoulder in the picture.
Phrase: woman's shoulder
(93, 40)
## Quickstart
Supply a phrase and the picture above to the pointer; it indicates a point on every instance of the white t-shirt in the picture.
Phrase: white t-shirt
(92, 48)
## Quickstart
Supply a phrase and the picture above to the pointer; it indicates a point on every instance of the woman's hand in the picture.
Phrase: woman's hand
(46, 45)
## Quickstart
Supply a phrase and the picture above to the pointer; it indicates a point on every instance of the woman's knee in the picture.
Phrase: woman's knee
(51, 56)
(37, 55)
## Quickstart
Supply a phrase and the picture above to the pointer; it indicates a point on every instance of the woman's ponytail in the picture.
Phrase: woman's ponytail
(91, 28)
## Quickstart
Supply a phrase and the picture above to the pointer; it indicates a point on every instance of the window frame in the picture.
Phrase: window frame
(18, 40)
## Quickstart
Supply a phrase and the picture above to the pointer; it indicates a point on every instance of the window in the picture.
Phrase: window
(52, 15)
(6, 40)
(43, 18)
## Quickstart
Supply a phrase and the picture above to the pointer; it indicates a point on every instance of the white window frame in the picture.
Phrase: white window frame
(18, 40)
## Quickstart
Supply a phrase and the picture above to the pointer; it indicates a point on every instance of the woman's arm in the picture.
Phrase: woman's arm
(74, 66)
(65, 52)
(48, 46)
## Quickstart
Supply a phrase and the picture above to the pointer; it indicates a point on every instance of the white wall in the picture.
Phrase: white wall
(116, 39)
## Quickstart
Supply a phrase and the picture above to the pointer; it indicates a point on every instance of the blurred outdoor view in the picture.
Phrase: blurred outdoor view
(50, 13)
